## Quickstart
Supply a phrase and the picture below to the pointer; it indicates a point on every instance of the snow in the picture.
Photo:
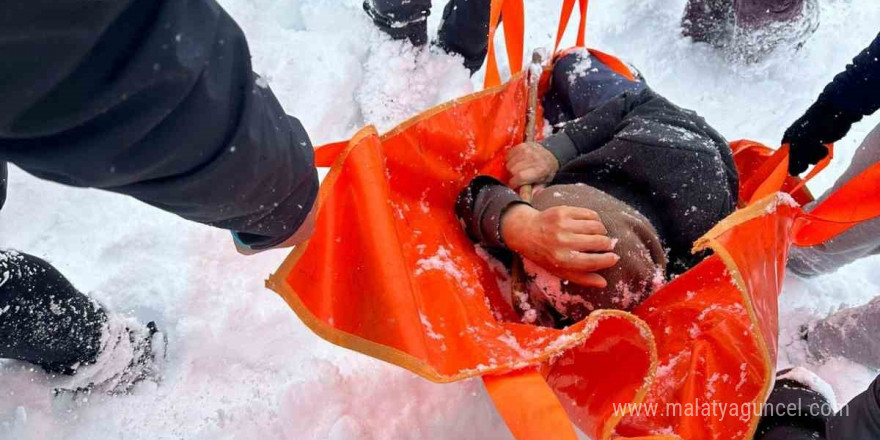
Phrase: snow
(241, 365)
(500, 273)
(812, 381)
(582, 67)
(429, 328)
(546, 285)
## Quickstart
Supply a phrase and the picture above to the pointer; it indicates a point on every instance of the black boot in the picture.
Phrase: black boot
(44, 320)
(465, 31)
(401, 20)
(131, 353)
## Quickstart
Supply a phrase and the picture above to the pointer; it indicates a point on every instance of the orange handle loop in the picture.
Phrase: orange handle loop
(514, 30)
(770, 177)
(529, 406)
(855, 202)
(567, 9)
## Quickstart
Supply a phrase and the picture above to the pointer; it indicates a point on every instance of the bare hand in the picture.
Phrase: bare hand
(569, 242)
(530, 163)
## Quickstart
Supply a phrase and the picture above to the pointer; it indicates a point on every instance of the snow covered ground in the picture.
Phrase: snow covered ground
(240, 363)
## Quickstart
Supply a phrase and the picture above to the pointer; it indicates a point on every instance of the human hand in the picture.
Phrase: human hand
(530, 163)
(569, 242)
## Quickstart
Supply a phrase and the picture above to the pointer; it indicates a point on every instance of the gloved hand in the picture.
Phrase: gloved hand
(821, 124)
(530, 163)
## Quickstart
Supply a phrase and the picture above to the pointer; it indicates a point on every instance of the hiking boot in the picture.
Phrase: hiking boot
(131, 353)
(415, 29)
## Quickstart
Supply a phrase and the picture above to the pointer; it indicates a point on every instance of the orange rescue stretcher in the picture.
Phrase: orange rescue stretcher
(389, 272)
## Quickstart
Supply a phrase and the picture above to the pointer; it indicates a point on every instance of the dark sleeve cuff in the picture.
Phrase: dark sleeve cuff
(480, 207)
(596, 128)
(292, 212)
(257, 242)
(562, 147)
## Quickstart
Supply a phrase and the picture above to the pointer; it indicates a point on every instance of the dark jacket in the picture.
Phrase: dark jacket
(155, 99)
(853, 94)
(664, 161)
(856, 90)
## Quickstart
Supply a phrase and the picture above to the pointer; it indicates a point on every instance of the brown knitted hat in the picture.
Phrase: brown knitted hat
(640, 271)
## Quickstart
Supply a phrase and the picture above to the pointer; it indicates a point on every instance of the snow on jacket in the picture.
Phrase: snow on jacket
(155, 99)
(663, 161)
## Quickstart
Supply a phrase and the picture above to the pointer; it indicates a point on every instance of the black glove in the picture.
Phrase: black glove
(821, 124)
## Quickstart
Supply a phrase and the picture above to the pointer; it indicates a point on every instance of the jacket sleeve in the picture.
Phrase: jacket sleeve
(480, 207)
(155, 99)
(591, 131)
(664, 161)
(856, 90)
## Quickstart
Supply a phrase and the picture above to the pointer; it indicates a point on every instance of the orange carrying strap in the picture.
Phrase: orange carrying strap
(611, 61)
(856, 201)
(539, 418)
(514, 31)
(565, 16)
(751, 159)
(772, 175)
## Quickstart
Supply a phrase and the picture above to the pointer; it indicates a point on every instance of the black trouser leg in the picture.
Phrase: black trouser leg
(465, 30)
(44, 320)
(859, 419)
(401, 18)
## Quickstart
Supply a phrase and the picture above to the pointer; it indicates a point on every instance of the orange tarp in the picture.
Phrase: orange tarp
(389, 272)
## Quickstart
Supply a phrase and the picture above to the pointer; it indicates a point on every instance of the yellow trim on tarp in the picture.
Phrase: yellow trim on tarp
(278, 283)
(710, 241)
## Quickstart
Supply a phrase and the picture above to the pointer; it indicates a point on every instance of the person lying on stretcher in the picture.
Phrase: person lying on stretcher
(631, 181)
